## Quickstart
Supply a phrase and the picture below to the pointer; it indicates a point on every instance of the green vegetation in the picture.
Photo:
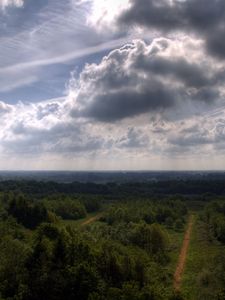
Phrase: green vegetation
(66, 245)
(205, 268)
(67, 208)
(27, 213)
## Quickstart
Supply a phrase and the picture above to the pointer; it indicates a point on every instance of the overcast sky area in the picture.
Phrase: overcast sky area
(112, 84)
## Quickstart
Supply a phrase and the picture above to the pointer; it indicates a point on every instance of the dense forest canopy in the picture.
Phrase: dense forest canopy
(106, 241)
(187, 187)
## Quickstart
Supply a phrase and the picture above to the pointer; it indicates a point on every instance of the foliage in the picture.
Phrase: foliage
(167, 212)
(126, 255)
(26, 212)
(66, 208)
(214, 215)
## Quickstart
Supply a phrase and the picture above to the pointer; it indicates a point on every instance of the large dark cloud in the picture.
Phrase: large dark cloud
(191, 74)
(203, 17)
(114, 106)
(140, 78)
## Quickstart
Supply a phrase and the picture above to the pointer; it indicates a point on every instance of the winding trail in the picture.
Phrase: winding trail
(91, 220)
(183, 255)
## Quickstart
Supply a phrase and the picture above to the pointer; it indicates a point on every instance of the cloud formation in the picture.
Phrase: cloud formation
(163, 77)
(46, 130)
(204, 18)
(141, 100)
(32, 54)
(157, 102)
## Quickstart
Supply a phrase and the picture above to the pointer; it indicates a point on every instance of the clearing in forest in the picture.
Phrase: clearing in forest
(183, 255)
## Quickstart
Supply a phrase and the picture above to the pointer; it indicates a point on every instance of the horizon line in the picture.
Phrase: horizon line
(117, 170)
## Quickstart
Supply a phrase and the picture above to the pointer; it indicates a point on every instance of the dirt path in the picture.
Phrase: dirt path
(91, 220)
(183, 255)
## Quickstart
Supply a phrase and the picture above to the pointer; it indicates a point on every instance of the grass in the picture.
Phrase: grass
(176, 240)
(201, 252)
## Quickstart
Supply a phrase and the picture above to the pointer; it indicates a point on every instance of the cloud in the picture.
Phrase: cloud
(185, 139)
(4, 108)
(6, 3)
(202, 135)
(133, 139)
(163, 77)
(44, 128)
(204, 18)
(38, 131)
(31, 46)
(140, 104)
(63, 58)
(104, 13)
(63, 138)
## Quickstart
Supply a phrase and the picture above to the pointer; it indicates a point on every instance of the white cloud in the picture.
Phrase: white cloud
(6, 3)
(28, 49)
(4, 108)
(61, 130)
(172, 77)
(104, 13)
(46, 136)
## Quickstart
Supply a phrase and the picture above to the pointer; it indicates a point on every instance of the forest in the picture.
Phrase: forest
(112, 241)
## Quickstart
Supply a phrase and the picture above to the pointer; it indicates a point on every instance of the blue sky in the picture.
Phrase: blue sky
(112, 84)
(41, 43)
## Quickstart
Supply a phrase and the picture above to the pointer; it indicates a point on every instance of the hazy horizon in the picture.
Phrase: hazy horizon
(115, 170)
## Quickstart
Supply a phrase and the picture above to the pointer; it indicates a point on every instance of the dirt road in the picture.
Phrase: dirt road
(91, 220)
(183, 255)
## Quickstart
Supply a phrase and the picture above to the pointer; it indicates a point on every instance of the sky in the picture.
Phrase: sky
(112, 85)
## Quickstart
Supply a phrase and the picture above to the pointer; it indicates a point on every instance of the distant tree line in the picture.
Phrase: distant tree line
(204, 188)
